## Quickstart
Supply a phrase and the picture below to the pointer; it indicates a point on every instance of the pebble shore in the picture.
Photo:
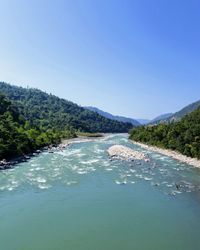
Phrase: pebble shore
(173, 154)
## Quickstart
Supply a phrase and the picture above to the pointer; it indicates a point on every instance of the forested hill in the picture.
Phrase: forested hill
(18, 137)
(182, 136)
(48, 111)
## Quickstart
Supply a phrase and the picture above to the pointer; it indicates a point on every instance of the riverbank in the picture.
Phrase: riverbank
(81, 138)
(65, 192)
(7, 164)
(173, 154)
(84, 137)
(89, 135)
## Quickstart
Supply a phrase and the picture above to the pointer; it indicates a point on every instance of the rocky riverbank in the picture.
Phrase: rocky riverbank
(125, 153)
(7, 164)
(173, 154)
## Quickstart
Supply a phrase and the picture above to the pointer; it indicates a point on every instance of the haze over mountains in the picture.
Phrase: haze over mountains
(134, 122)
(166, 118)
(143, 121)
(161, 118)
(184, 111)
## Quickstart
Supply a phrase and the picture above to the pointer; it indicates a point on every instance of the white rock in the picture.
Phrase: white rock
(119, 151)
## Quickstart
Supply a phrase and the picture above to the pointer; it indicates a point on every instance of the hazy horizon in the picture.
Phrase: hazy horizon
(137, 59)
(116, 114)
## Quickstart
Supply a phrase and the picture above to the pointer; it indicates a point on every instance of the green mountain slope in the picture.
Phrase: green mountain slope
(182, 136)
(17, 136)
(48, 111)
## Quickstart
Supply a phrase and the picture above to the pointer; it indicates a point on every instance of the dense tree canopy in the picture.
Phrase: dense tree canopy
(49, 111)
(31, 119)
(182, 136)
(18, 136)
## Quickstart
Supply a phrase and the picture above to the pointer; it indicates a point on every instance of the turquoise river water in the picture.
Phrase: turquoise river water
(78, 199)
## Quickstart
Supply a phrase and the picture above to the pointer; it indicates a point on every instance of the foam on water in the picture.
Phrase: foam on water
(55, 197)
(79, 160)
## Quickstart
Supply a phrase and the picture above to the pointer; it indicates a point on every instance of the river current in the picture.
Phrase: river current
(80, 199)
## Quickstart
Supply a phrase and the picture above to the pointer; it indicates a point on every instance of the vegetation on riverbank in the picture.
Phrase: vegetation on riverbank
(31, 119)
(182, 136)
(19, 137)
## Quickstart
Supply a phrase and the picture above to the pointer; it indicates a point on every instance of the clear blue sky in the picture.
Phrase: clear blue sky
(138, 58)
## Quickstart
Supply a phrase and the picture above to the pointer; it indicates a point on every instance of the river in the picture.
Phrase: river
(78, 199)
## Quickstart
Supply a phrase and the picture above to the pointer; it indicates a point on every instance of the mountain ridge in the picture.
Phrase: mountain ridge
(108, 115)
(50, 111)
(177, 115)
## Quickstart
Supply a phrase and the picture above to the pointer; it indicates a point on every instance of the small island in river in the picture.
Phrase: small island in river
(126, 153)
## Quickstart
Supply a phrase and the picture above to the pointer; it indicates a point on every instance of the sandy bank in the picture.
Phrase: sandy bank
(173, 154)
(80, 139)
(119, 151)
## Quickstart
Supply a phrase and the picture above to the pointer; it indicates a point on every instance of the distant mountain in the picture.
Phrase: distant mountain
(155, 120)
(161, 118)
(114, 117)
(184, 111)
(178, 115)
(143, 121)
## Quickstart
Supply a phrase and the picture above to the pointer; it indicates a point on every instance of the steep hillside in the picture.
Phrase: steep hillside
(48, 111)
(17, 136)
(114, 117)
(182, 136)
